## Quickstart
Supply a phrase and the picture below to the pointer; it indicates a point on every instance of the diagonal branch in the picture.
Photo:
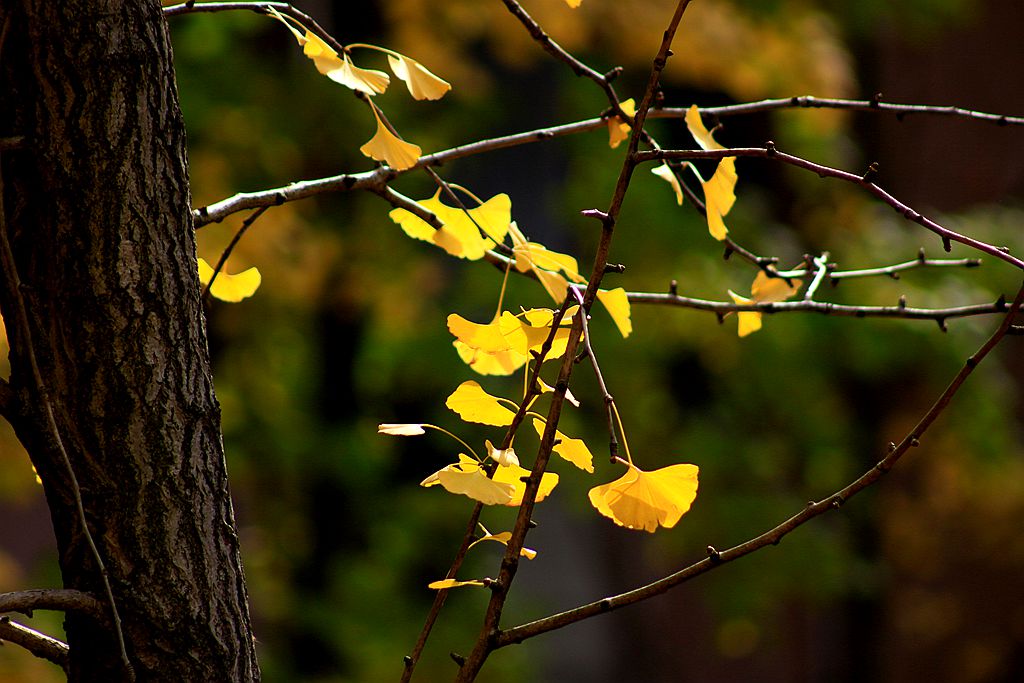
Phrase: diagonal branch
(775, 535)
(39, 644)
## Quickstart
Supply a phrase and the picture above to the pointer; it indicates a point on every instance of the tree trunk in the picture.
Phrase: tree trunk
(97, 209)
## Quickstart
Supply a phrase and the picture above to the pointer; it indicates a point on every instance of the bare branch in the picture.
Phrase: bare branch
(770, 152)
(39, 644)
(774, 535)
(822, 307)
(59, 599)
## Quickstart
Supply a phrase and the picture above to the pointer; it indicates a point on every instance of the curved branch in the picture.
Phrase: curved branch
(58, 599)
(39, 644)
(776, 534)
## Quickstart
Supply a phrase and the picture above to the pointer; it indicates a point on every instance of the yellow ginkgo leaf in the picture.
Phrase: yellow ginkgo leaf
(528, 331)
(503, 538)
(338, 69)
(647, 500)
(666, 174)
(573, 450)
(504, 457)
(573, 3)
(699, 132)
(617, 304)
(531, 256)
(460, 235)
(445, 584)
(514, 475)
(473, 404)
(764, 290)
(422, 84)
(387, 147)
(227, 287)
(401, 429)
(719, 196)
(749, 321)
(618, 129)
(467, 478)
(500, 363)
(488, 338)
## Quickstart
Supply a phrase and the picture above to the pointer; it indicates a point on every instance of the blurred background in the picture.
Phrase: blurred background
(917, 579)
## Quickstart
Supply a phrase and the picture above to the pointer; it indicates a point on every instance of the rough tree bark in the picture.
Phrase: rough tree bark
(97, 210)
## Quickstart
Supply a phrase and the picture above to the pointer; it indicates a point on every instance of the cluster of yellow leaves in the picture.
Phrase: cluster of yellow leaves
(505, 344)
(227, 287)
(764, 290)
(466, 233)
(385, 145)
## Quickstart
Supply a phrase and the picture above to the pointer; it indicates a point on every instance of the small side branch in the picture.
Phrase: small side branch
(39, 644)
(58, 599)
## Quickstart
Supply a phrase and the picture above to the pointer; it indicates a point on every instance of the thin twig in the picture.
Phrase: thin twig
(820, 271)
(773, 536)
(609, 400)
(39, 644)
(23, 333)
(770, 152)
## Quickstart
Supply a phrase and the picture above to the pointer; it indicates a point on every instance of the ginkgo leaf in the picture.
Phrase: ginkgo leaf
(546, 388)
(573, 3)
(573, 450)
(618, 129)
(699, 132)
(531, 256)
(488, 338)
(473, 404)
(445, 584)
(481, 362)
(514, 475)
(504, 457)
(647, 500)
(227, 287)
(387, 147)
(666, 174)
(401, 429)
(460, 235)
(467, 478)
(719, 196)
(338, 69)
(422, 84)
(503, 538)
(764, 290)
(617, 304)
(527, 332)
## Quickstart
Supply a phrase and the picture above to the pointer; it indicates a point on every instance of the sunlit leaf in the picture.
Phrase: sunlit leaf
(765, 289)
(699, 132)
(401, 429)
(514, 476)
(503, 538)
(473, 404)
(504, 457)
(460, 235)
(719, 196)
(573, 3)
(647, 500)
(500, 363)
(544, 263)
(666, 174)
(338, 69)
(488, 338)
(387, 147)
(227, 287)
(445, 584)
(422, 84)
(617, 304)
(573, 450)
(546, 388)
(467, 478)
(618, 129)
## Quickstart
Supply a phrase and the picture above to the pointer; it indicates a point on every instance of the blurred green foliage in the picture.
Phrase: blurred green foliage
(348, 331)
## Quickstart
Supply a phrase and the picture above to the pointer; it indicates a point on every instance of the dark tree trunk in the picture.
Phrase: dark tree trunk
(97, 210)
